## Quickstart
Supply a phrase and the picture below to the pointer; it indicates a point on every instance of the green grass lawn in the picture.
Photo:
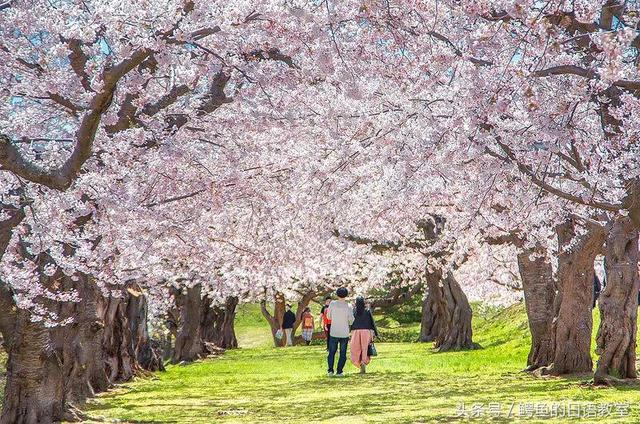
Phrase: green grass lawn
(406, 383)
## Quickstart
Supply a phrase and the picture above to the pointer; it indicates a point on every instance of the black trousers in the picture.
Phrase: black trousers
(327, 332)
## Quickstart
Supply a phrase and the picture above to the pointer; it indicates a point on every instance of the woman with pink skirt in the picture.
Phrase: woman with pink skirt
(363, 330)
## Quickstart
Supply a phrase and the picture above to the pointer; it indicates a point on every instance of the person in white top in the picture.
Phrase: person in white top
(341, 316)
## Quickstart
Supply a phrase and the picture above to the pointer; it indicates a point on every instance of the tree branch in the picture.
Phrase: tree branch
(78, 60)
(62, 178)
(175, 199)
(396, 299)
(585, 73)
(525, 169)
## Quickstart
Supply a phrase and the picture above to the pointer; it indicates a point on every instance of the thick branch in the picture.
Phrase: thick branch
(62, 178)
(525, 169)
(514, 238)
(216, 96)
(397, 299)
(78, 60)
(585, 73)
(265, 311)
(16, 215)
(271, 54)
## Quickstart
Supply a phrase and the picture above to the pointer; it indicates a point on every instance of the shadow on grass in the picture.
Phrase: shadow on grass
(323, 398)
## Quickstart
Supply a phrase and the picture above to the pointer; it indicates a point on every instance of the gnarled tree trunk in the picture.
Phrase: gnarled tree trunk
(226, 338)
(275, 320)
(616, 339)
(120, 363)
(210, 321)
(217, 323)
(79, 344)
(146, 351)
(452, 311)
(35, 388)
(539, 288)
(429, 328)
(189, 344)
(573, 322)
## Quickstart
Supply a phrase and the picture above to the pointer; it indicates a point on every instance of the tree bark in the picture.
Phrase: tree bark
(146, 351)
(226, 334)
(50, 370)
(275, 320)
(539, 288)
(217, 323)
(210, 321)
(452, 311)
(79, 344)
(616, 339)
(120, 363)
(189, 343)
(429, 327)
(573, 322)
(35, 388)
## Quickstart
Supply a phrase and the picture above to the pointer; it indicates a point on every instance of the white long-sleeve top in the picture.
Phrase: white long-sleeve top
(341, 316)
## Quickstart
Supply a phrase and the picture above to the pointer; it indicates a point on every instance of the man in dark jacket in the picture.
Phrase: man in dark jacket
(288, 321)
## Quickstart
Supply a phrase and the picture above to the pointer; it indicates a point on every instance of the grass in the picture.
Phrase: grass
(406, 383)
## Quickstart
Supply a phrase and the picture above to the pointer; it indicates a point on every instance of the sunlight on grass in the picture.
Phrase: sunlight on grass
(406, 383)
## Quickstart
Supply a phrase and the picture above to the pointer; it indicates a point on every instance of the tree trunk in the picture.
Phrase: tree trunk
(217, 323)
(539, 288)
(573, 322)
(79, 343)
(275, 320)
(51, 369)
(146, 351)
(429, 328)
(227, 335)
(189, 343)
(35, 388)
(211, 318)
(616, 339)
(120, 361)
(452, 311)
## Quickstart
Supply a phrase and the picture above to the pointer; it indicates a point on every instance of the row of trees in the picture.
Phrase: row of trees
(247, 149)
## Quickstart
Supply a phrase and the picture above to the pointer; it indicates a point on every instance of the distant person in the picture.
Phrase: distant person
(288, 321)
(341, 316)
(324, 316)
(363, 330)
(597, 288)
(307, 325)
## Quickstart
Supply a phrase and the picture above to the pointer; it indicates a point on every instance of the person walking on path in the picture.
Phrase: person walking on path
(341, 316)
(288, 321)
(363, 330)
(307, 325)
(326, 322)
